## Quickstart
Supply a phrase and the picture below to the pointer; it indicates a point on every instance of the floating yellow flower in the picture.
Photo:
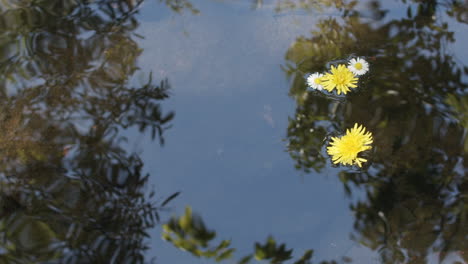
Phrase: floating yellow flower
(340, 78)
(345, 149)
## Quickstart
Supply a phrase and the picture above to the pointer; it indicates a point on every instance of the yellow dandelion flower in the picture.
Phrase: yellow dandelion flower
(340, 78)
(346, 148)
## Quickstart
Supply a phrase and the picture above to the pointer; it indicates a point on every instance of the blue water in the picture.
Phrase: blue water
(227, 150)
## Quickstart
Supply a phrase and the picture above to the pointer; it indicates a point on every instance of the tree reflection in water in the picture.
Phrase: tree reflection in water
(414, 102)
(70, 191)
(189, 233)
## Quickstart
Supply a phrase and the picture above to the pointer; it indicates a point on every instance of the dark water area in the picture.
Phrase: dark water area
(185, 132)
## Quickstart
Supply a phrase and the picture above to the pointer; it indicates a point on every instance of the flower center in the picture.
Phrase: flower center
(317, 80)
(351, 147)
(340, 79)
(358, 66)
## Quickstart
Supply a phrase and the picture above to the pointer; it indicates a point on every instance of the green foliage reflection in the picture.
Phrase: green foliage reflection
(70, 191)
(189, 233)
(414, 103)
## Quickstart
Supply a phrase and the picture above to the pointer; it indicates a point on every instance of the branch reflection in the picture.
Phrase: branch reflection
(70, 190)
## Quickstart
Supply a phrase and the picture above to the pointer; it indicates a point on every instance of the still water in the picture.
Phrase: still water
(126, 122)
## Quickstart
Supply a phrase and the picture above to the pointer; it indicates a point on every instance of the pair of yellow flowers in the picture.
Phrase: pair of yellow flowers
(345, 149)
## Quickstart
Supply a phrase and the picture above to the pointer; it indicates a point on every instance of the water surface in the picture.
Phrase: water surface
(109, 101)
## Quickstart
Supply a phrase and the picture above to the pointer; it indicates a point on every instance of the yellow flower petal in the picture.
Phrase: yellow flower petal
(340, 78)
(346, 148)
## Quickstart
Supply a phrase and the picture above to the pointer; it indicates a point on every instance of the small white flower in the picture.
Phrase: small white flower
(314, 81)
(358, 66)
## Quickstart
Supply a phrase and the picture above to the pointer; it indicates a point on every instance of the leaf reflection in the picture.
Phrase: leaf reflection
(189, 233)
(414, 102)
(70, 191)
